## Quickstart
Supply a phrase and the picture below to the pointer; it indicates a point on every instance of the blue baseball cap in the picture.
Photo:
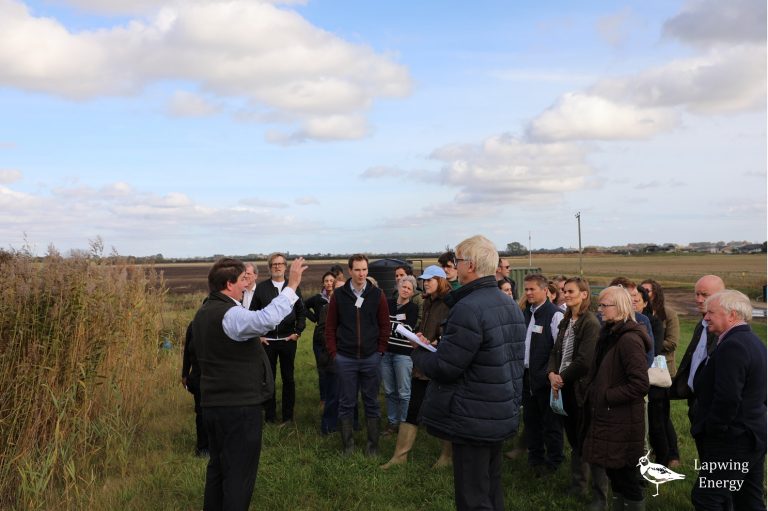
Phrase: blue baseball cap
(432, 271)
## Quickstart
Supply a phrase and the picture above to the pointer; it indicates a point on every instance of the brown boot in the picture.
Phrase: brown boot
(446, 455)
(406, 435)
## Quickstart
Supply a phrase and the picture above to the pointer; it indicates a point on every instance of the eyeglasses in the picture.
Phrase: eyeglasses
(277, 264)
(604, 305)
(459, 259)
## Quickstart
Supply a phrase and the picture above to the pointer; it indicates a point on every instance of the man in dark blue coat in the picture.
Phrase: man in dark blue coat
(473, 398)
(729, 418)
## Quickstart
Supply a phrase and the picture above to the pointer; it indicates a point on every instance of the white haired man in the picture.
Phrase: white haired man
(729, 420)
(473, 398)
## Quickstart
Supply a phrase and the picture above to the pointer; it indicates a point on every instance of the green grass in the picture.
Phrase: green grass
(301, 470)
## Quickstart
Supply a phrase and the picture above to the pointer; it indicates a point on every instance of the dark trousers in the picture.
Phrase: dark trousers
(285, 352)
(362, 373)
(658, 416)
(572, 421)
(741, 461)
(322, 374)
(418, 391)
(330, 417)
(674, 452)
(234, 441)
(542, 426)
(193, 385)
(626, 481)
(477, 477)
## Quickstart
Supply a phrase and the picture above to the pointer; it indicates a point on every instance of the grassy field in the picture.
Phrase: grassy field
(301, 470)
(94, 416)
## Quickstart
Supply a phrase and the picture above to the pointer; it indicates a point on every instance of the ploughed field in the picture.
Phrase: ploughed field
(677, 273)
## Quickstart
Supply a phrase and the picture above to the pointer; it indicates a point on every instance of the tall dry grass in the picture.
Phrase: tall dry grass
(79, 339)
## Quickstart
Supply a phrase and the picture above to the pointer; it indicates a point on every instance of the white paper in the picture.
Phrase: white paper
(412, 337)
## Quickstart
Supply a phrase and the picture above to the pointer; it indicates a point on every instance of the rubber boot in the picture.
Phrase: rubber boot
(579, 476)
(372, 447)
(599, 488)
(446, 455)
(634, 505)
(347, 436)
(406, 436)
(617, 502)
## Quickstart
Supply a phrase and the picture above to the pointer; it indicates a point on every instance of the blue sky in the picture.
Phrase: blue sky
(198, 127)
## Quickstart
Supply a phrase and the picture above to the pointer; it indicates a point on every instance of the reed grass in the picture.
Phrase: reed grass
(78, 344)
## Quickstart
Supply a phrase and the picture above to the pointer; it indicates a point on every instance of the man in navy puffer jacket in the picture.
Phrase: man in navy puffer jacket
(474, 395)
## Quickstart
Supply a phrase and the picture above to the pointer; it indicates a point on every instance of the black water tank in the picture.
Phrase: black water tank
(383, 270)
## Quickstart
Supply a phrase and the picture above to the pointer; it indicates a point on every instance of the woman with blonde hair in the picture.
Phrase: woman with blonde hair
(434, 312)
(614, 418)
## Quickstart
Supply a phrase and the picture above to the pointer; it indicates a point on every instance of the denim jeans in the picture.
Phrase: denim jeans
(396, 376)
(358, 373)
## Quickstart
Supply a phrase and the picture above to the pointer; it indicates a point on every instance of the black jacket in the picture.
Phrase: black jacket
(731, 390)
(357, 332)
(293, 323)
(476, 374)
(541, 345)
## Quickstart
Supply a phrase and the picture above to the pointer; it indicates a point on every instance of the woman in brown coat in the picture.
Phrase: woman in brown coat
(614, 408)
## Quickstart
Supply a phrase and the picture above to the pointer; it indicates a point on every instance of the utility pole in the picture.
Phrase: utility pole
(581, 266)
(529, 250)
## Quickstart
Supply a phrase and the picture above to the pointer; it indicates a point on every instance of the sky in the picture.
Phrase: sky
(194, 128)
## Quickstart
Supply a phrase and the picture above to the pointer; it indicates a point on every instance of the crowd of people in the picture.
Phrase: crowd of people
(457, 354)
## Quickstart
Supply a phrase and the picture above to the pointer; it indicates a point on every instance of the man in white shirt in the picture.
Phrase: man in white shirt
(235, 379)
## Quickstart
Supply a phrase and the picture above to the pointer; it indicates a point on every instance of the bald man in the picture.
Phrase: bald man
(701, 346)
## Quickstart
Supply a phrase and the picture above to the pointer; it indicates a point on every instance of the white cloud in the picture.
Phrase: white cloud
(504, 168)
(9, 175)
(306, 200)
(137, 7)
(260, 203)
(707, 22)
(188, 104)
(269, 57)
(578, 116)
(723, 80)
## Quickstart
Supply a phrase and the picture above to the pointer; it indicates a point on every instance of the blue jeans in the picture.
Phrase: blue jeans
(396, 376)
(362, 373)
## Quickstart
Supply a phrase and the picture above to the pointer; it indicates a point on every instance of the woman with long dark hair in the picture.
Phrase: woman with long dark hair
(434, 312)
(316, 308)
(569, 364)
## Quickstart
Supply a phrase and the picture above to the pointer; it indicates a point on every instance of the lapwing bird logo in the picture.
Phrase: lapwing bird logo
(656, 473)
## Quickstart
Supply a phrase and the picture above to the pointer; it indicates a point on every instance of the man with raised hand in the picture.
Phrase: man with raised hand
(356, 336)
(235, 379)
(729, 423)
(474, 393)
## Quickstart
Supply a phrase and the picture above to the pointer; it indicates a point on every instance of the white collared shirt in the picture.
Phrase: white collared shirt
(241, 324)
(699, 354)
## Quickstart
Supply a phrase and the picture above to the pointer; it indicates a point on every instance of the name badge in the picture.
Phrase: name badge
(359, 302)
(400, 317)
(537, 329)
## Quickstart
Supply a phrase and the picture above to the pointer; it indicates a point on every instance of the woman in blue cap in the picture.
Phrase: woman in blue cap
(435, 310)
